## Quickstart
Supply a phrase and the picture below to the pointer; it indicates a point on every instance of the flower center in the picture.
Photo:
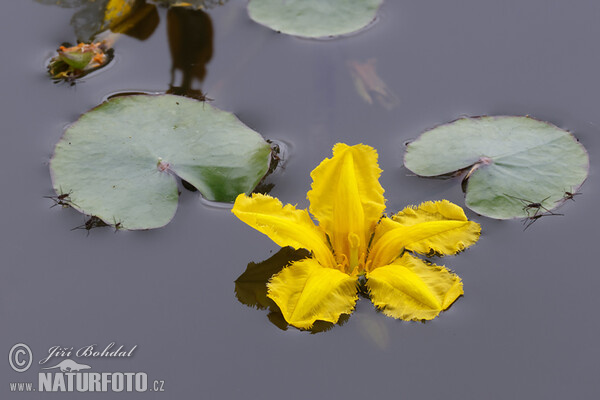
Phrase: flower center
(354, 242)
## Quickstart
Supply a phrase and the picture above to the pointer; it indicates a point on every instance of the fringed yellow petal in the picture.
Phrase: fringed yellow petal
(306, 292)
(439, 227)
(409, 289)
(285, 225)
(347, 199)
(430, 211)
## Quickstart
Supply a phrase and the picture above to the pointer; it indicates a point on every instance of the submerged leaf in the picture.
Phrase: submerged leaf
(89, 20)
(314, 18)
(119, 162)
(513, 162)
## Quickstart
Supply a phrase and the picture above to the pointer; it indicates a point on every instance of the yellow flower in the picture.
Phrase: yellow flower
(355, 239)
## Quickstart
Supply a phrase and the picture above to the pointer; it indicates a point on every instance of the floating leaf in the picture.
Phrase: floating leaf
(77, 59)
(119, 161)
(74, 62)
(512, 162)
(314, 18)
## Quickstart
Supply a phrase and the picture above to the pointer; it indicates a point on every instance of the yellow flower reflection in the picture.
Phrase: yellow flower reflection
(355, 239)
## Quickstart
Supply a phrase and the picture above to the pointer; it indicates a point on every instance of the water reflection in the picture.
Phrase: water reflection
(190, 35)
(368, 84)
(97, 25)
(189, 31)
(374, 329)
(251, 288)
(278, 155)
(196, 4)
(135, 18)
(140, 23)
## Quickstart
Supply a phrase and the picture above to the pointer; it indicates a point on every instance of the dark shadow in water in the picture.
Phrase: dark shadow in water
(191, 44)
(90, 18)
(251, 288)
(193, 4)
(190, 35)
(263, 186)
(90, 24)
(141, 23)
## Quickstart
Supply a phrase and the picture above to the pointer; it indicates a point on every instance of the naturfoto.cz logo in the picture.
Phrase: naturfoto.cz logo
(68, 375)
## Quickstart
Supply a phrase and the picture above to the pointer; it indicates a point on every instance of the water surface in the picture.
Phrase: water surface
(526, 327)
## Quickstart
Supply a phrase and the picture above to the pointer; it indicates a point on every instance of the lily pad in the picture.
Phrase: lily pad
(120, 161)
(314, 18)
(512, 163)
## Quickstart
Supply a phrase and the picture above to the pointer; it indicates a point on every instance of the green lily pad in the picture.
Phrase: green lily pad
(314, 18)
(513, 163)
(120, 161)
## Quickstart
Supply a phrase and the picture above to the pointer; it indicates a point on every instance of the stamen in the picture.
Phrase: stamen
(342, 266)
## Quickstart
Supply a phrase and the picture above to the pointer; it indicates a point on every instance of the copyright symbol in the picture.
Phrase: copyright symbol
(20, 357)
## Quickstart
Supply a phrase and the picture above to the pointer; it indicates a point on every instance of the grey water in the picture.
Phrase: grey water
(527, 326)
